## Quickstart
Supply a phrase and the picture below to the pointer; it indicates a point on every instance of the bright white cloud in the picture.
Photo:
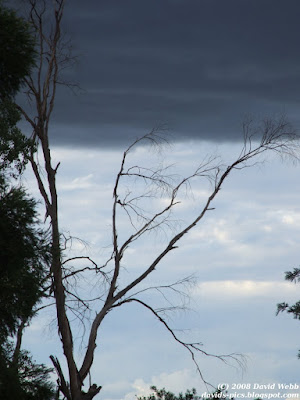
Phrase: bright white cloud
(80, 183)
(228, 289)
(176, 382)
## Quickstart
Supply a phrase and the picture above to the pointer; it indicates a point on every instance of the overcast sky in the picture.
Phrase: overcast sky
(199, 67)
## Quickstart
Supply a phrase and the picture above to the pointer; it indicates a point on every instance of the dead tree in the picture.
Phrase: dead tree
(272, 136)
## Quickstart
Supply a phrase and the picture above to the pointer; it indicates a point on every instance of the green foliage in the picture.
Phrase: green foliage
(24, 248)
(15, 148)
(24, 380)
(24, 259)
(24, 252)
(292, 276)
(17, 51)
(24, 256)
(17, 58)
(162, 394)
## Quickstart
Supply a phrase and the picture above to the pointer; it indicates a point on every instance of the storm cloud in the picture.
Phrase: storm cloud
(198, 66)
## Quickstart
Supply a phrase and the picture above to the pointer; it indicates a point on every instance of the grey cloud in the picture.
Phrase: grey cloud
(198, 65)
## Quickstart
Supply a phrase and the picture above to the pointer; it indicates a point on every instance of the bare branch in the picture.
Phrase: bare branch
(63, 386)
(192, 348)
(275, 138)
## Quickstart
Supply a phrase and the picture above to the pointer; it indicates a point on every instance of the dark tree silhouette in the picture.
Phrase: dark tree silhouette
(24, 248)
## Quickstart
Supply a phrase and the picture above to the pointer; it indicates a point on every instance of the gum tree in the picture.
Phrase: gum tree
(149, 183)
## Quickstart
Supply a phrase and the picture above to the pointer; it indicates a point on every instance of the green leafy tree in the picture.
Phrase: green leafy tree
(23, 379)
(17, 51)
(23, 256)
(22, 245)
(162, 394)
(292, 276)
(24, 248)
(17, 58)
(14, 146)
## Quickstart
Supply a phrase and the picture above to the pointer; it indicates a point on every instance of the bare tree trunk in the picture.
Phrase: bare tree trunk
(42, 88)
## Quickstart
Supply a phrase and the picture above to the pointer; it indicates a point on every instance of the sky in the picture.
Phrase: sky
(197, 68)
